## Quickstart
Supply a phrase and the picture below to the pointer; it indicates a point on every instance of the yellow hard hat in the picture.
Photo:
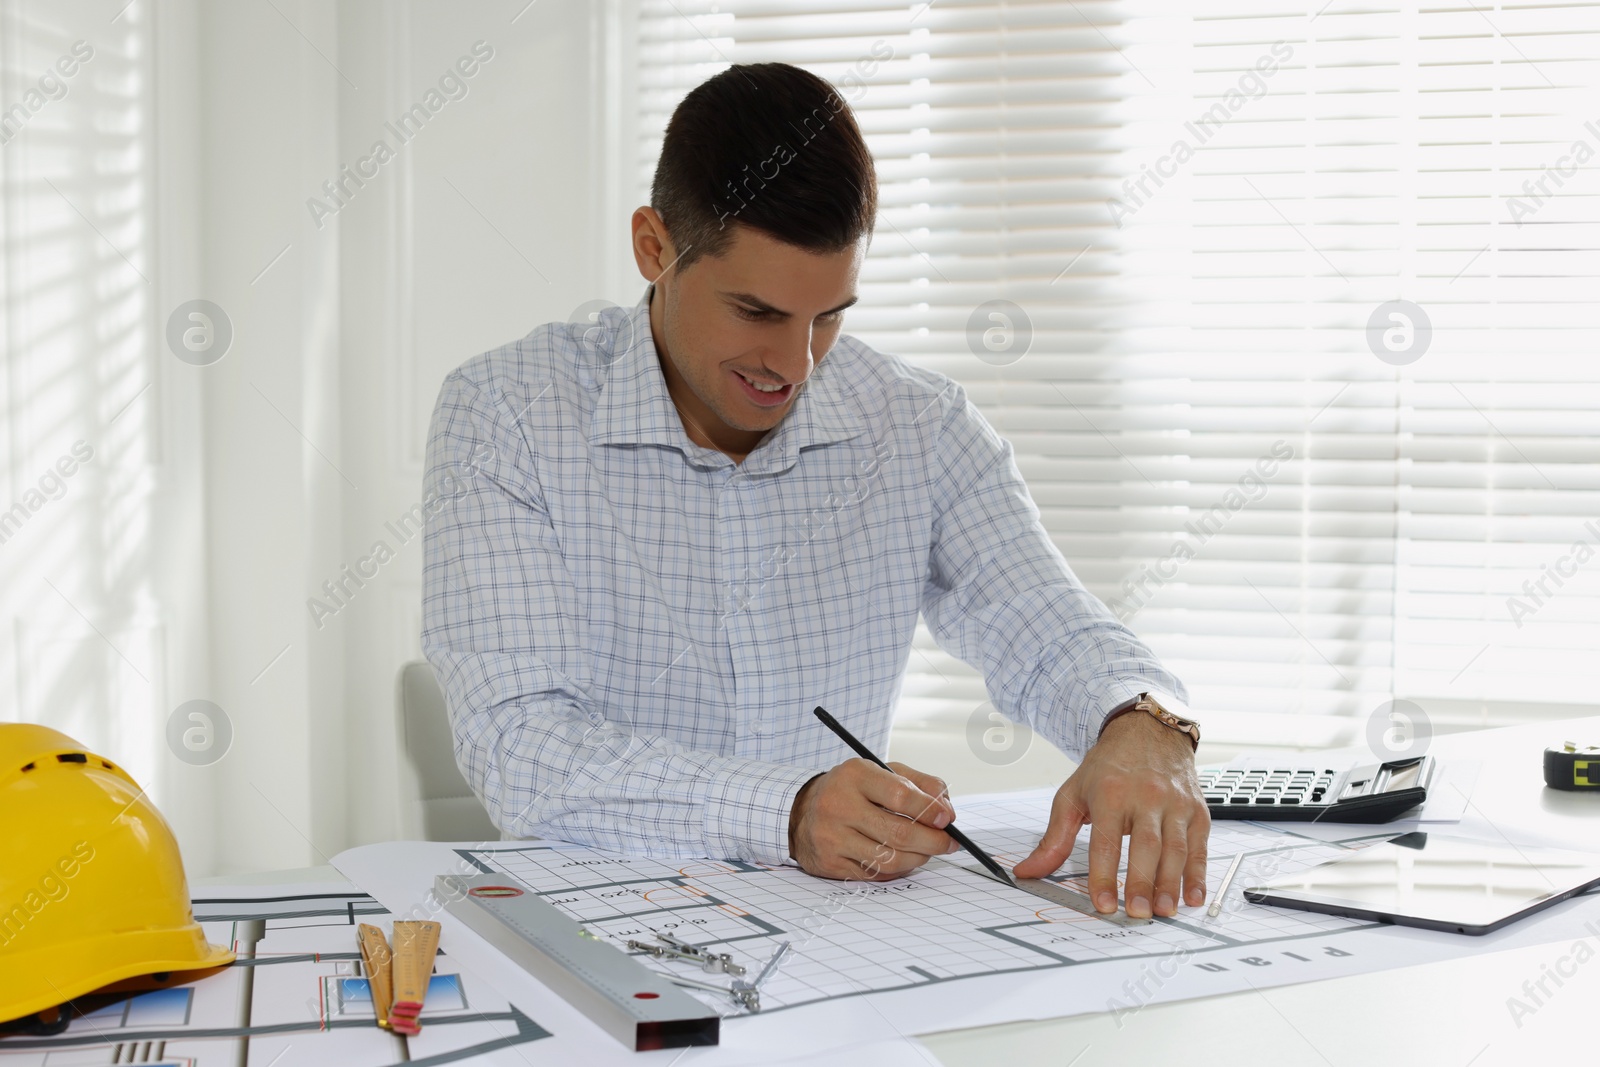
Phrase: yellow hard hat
(92, 891)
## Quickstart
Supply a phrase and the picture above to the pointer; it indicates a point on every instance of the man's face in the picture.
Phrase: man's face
(763, 313)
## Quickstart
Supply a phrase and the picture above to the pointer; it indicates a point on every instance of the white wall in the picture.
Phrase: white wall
(478, 229)
(273, 489)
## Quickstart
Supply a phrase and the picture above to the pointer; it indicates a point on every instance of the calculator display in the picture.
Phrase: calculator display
(1405, 777)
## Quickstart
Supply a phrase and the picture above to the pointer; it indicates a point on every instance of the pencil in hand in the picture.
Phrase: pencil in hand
(960, 838)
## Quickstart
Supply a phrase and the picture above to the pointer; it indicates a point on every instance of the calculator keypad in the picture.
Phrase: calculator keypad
(1235, 788)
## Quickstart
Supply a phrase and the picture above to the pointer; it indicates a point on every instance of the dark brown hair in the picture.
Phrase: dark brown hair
(773, 147)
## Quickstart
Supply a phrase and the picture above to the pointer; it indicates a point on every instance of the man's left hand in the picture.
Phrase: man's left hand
(1138, 780)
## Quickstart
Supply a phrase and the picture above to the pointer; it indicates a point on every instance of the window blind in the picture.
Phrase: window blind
(85, 494)
(1296, 348)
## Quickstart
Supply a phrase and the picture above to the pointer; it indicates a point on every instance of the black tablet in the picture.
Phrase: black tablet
(1436, 882)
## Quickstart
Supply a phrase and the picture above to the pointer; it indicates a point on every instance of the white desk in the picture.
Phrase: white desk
(1448, 1013)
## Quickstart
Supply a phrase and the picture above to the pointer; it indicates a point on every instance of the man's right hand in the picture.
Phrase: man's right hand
(860, 821)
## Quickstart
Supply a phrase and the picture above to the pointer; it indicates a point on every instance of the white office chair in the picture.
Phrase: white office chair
(436, 803)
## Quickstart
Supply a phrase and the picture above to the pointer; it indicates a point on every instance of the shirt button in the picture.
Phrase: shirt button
(758, 726)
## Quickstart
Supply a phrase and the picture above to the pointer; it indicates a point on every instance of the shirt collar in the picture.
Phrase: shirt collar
(634, 406)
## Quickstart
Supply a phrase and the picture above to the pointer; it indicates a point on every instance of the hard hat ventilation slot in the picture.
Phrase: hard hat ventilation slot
(72, 757)
(29, 767)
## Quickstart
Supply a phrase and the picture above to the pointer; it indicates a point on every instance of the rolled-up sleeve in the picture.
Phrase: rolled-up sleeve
(1000, 595)
(504, 627)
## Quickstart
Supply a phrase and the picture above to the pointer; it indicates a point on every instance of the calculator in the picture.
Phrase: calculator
(1376, 792)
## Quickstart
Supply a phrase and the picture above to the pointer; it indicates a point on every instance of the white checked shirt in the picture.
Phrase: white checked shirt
(632, 630)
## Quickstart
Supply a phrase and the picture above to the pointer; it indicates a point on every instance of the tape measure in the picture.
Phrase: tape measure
(1572, 768)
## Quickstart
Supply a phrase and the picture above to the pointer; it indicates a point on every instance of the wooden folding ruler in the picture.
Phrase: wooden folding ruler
(398, 979)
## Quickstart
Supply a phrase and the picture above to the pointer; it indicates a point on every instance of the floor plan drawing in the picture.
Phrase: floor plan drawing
(942, 924)
(295, 994)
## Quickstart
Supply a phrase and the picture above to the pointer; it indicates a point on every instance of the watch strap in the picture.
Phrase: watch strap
(1151, 705)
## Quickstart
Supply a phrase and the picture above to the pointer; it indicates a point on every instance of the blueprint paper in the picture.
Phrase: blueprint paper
(296, 992)
(944, 948)
(306, 1004)
(406, 869)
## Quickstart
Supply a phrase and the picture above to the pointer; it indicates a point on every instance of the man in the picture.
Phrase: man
(685, 526)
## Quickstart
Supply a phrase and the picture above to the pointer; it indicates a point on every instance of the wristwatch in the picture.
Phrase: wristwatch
(1150, 705)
